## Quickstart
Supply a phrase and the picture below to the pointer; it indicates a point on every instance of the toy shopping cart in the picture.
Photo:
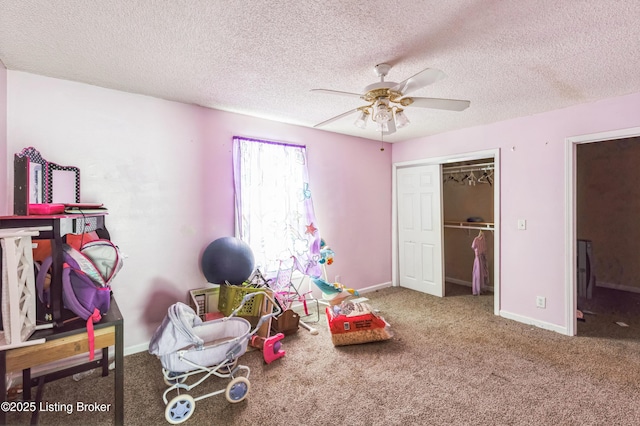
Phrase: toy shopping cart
(187, 347)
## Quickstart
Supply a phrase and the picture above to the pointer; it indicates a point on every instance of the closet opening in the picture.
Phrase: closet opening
(469, 225)
(437, 196)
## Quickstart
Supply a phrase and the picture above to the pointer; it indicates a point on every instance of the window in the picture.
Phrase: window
(274, 208)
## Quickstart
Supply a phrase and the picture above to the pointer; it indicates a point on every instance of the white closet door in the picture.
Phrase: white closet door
(420, 229)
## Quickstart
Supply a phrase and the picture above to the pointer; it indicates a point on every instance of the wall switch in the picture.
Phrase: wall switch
(541, 302)
(522, 224)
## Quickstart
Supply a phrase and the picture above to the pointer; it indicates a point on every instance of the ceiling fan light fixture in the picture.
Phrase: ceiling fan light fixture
(361, 121)
(401, 119)
(381, 112)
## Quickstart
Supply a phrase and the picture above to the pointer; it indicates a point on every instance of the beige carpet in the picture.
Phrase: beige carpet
(450, 362)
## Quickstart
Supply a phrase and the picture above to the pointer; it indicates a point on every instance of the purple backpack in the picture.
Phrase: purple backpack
(80, 294)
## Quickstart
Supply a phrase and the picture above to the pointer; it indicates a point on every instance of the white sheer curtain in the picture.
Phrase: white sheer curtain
(274, 208)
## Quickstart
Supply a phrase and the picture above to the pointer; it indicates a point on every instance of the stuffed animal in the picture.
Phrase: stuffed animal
(326, 254)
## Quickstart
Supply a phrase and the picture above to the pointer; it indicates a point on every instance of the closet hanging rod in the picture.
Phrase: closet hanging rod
(468, 168)
(482, 228)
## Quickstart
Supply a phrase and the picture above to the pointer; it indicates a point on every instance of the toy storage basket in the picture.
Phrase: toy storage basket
(231, 296)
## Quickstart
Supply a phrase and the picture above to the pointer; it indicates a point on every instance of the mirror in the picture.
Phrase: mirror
(64, 182)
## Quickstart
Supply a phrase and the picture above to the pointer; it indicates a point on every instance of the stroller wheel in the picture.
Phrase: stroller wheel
(179, 409)
(173, 378)
(237, 389)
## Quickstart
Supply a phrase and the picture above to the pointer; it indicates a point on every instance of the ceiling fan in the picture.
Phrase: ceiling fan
(387, 99)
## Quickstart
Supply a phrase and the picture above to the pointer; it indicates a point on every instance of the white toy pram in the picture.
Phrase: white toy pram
(188, 346)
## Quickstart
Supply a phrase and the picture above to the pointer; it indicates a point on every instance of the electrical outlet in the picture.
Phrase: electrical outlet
(541, 302)
(522, 224)
(338, 279)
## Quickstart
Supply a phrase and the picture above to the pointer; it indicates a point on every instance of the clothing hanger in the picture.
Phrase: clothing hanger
(451, 178)
(472, 179)
(484, 178)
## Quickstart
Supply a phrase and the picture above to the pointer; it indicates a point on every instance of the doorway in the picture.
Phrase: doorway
(607, 199)
(435, 248)
(606, 270)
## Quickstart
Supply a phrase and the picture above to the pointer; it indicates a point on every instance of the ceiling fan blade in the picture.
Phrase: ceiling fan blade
(337, 92)
(436, 103)
(418, 81)
(337, 117)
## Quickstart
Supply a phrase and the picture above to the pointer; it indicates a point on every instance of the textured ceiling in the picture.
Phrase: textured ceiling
(510, 58)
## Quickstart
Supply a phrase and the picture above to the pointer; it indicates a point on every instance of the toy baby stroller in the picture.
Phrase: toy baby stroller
(188, 346)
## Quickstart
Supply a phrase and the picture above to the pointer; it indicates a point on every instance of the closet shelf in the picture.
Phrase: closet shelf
(486, 226)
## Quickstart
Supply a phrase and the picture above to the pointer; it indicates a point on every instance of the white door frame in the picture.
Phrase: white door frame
(571, 145)
(453, 158)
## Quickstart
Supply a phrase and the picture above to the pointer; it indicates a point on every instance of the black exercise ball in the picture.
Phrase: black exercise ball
(227, 259)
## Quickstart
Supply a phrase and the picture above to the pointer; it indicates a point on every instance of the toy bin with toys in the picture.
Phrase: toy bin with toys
(352, 323)
(204, 302)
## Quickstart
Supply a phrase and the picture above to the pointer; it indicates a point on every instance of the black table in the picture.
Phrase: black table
(66, 341)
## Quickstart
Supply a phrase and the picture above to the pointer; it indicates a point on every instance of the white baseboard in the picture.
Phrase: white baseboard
(374, 287)
(511, 316)
(534, 322)
(464, 283)
(142, 347)
(458, 281)
(618, 287)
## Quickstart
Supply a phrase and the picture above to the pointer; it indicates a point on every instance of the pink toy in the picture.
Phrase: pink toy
(270, 346)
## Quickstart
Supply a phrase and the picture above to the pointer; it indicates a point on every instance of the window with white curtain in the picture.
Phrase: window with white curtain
(274, 207)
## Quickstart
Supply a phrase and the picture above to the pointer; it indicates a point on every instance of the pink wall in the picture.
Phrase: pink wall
(532, 162)
(350, 179)
(164, 171)
(3, 140)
